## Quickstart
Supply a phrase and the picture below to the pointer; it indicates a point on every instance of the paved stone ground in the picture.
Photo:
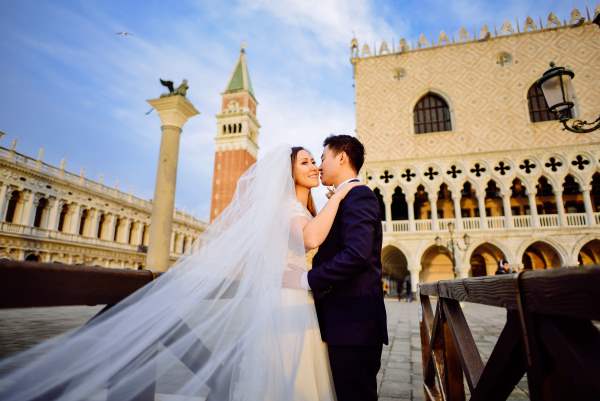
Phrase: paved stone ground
(400, 377)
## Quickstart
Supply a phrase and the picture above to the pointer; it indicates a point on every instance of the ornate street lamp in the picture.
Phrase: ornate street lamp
(557, 87)
(453, 244)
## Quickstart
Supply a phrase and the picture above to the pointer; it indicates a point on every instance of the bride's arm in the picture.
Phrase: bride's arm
(316, 230)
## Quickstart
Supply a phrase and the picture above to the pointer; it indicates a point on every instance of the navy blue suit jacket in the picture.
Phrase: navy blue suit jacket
(346, 274)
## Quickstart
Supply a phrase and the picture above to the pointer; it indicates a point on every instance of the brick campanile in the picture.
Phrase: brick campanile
(237, 136)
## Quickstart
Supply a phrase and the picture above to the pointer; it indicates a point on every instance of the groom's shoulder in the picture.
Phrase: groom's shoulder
(361, 192)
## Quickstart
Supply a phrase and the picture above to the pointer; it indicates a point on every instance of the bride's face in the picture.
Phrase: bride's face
(306, 172)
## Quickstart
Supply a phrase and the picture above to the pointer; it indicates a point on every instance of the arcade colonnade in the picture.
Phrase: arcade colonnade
(51, 215)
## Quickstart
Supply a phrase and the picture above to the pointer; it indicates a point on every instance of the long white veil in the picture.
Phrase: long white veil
(213, 326)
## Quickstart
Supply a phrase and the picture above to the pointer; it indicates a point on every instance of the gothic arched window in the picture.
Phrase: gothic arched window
(432, 114)
(538, 108)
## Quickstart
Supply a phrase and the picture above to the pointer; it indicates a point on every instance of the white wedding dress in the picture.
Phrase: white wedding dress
(313, 379)
(217, 326)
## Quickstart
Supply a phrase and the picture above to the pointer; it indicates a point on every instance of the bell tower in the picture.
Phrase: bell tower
(237, 136)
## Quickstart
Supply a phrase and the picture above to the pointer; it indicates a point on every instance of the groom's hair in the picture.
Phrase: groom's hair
(349, 144)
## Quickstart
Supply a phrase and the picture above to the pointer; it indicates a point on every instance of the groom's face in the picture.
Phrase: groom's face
(329, 166)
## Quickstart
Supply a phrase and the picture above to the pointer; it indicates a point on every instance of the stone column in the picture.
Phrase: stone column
(53, 213)
(4, 198)
(31, 201)
(93, 226)
(508, 222)
(560, 208)
(387, 200)
(457, 212)
(434, 218)
(75, 218)
(125, 227)
(172, 242)
(587, 202)
(535, 221)
(109, 231)
(410, 202)
(481, 206)
(174, 111)
(139, 230)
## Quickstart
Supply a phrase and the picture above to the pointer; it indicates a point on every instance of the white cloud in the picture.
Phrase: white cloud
(330, 23)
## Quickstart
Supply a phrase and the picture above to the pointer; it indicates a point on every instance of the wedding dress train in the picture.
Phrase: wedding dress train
(216, 326)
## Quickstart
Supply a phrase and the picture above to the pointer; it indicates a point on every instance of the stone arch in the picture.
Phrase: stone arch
(589, 253)
(436, 264)
(572, 195)
(502, 248)
(394, 262)
(493, 199)
(395, 269)
(83, 221)
(445, 206)
(399, 205)
(379, 195)
(484, 259)
(541, 254)
(12, 209)
(32, 257)
(545, 198)
(519, 202)
(595, 191)
(130, 233)
(101, 223)
(41, 213)
(468, 200)
(422, 205)
(62, 216)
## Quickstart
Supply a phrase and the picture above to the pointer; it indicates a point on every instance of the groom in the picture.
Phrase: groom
(346, 277)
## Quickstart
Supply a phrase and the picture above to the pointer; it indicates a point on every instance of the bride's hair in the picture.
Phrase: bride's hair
(311, 203)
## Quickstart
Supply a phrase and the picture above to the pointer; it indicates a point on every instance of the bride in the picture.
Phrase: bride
(216, 326)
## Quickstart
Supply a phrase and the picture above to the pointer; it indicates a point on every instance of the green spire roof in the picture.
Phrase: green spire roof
(240, 79)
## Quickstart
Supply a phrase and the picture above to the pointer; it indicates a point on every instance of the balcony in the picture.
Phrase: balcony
(545, 221)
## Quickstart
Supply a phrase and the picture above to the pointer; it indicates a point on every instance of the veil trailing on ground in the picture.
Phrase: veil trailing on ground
(212, 327)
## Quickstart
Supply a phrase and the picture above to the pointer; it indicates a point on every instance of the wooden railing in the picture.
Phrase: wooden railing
(549, 334)
(33, 284)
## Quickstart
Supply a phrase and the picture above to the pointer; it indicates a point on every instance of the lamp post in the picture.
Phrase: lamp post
(556, 84)
(453, 244)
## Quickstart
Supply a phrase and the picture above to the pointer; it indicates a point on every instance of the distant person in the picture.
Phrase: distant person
(409, 297)
(503, 268)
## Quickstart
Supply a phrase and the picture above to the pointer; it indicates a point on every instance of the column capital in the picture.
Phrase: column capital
(173, 110)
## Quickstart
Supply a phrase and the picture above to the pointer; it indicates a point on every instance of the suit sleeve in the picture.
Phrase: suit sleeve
(358, 219)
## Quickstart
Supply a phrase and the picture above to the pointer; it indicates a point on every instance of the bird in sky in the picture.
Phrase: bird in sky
(124, 33)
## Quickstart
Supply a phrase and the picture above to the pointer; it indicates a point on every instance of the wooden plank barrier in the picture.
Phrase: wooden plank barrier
(549, 335)
(33, 284)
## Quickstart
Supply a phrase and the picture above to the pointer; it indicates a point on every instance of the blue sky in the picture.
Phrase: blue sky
(74, 87)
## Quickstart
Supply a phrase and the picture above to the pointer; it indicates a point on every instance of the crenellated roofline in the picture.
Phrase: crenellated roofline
(463, 36)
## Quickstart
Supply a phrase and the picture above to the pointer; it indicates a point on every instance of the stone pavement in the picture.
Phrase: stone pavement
(400, 377)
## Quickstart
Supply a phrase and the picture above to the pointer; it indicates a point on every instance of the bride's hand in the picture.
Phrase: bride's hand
(342, 192)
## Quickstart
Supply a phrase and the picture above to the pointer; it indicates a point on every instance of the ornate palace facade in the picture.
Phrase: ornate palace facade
(48, 214)
(459, 139)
